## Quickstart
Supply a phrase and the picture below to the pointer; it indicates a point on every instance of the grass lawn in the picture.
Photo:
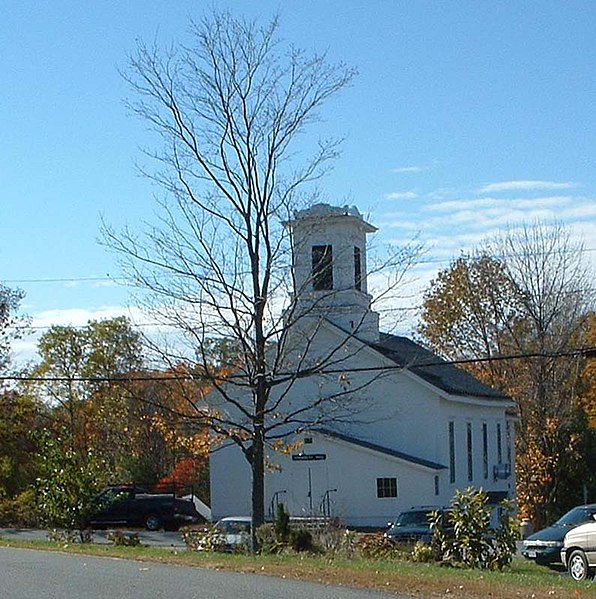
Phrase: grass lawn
(522, 580)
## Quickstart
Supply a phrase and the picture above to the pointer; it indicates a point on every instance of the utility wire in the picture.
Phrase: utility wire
(587, 352)
(125, 281)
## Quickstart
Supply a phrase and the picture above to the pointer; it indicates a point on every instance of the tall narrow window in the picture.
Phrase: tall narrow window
(508, 441)
(357, 269)
(451, 452)
(485, 450)
(436, 485)
(322, 267)
(470, 452)
(499, 445)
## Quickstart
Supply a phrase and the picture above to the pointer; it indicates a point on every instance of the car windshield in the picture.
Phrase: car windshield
(111, 495)
(413, 518)
(233, 527)
(576, 516)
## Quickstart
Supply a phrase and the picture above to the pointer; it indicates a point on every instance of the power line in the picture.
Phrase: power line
(587, 352)
(126, 282)
(120, 280)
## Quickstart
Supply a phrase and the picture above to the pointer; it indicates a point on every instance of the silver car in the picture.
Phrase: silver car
(579, 551)
(233, 532)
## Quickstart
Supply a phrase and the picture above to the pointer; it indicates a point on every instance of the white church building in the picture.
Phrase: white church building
(410, 429)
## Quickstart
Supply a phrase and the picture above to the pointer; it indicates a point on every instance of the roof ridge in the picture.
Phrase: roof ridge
(381, 449)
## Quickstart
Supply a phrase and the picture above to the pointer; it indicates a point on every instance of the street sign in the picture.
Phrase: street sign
(308, 457)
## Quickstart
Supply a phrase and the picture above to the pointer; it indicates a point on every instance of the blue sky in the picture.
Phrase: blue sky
(466, 117)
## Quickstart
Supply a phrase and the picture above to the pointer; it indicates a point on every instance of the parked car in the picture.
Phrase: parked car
(232, 532)
(412, 526)
(544, 546)
(129, 505)
(579, 551)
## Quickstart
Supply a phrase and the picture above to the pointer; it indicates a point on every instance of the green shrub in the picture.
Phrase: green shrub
(268, 539)
(301, 540)
(376, 546)
(20, 510)
(335, 539)
(506, 537)
(463, 536)
(282, 524)
(68, 482)
(422, 553)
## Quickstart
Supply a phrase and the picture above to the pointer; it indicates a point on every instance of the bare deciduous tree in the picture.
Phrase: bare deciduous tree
(231, 109)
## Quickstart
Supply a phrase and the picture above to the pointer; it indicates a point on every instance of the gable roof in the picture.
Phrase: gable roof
(433, 369)
(380, 449)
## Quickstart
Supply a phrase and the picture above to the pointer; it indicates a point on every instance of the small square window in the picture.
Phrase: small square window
(386, 487)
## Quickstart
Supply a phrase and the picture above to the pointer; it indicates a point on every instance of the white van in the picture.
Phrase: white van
(579, 551)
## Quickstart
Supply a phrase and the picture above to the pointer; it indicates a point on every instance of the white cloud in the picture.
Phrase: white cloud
(401, 195)
(474, 219)
(23, 351)
(391, 220)
(409, 169)
(443, 193)
(500, 203)
(105, 283)
(525, 185)
(78, 317)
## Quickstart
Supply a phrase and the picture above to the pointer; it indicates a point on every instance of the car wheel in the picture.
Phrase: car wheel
(152, 522)
(578, 565)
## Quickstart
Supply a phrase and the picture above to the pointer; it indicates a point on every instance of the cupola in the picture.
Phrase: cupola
(329, 268)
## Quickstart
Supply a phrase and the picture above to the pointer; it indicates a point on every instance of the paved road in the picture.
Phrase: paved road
(26, 574)
(155, 539)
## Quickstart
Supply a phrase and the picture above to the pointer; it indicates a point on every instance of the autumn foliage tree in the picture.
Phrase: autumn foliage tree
(19, 419)
(78, 373)
(469, 311)
(518, 312)
(134, 421)
(588, 396)
(10, 300)
(170, 440)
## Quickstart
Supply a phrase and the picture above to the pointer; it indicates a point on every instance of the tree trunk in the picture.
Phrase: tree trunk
(258, 485)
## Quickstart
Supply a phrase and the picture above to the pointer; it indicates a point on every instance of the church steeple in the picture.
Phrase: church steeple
(329, 267)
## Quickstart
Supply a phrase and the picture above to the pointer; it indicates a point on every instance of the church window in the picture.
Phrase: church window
(485, 450)
(508, 440)
(386, 487)
(322, 267)
(357, 269)
(452, 452)
(470, 452)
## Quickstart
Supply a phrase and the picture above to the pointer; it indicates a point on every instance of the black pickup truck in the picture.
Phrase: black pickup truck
(129, 505)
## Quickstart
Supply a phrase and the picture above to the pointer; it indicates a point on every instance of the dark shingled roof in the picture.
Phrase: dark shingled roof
(385, 450)
(432, 368)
